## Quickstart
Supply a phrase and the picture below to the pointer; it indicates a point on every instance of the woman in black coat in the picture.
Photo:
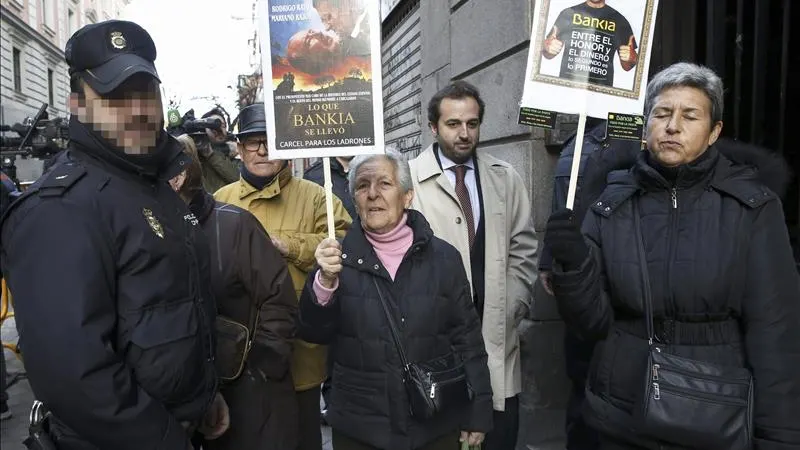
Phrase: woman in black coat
(724, 287)
(252, 287)
(421, 277)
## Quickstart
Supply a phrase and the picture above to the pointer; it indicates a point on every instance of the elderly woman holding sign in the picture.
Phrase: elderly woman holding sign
(393, 301)
(685, 273)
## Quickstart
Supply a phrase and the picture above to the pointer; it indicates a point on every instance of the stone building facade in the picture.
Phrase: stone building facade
(33, 34)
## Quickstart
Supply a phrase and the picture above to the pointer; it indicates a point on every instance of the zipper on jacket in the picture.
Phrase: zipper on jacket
(674, 193)
(411, 250)
(672, 233)
(201, 312)
(189, 247)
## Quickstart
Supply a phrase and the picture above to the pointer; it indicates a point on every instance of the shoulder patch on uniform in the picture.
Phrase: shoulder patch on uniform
(61, 179)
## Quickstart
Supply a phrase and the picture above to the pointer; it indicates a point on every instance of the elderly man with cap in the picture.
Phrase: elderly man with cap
(293, 212)
(111, 268)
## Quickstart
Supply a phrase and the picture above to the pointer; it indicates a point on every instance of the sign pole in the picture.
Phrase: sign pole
(576, 160)
(326, 165)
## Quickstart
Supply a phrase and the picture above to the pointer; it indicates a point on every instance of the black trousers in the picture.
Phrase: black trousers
(344, 442)
(3, 375)
(263, 414)
(607, 443)
(310, 437)
(578, 355)
(506, 427)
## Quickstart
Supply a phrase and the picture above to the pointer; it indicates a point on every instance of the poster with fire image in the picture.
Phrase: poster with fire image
(322, 77)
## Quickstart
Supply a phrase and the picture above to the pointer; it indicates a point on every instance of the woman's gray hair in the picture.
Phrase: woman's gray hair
(687, 75)
(402, 171)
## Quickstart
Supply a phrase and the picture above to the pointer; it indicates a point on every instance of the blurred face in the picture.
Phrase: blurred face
(131, 116)
(380, 199)
(596, 3)
(253, 150)
(458, 130)
(679, 128)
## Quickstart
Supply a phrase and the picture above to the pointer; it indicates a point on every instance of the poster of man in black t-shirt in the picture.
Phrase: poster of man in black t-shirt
(591, 35)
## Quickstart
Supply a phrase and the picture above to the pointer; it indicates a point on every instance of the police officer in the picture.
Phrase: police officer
(110, 269)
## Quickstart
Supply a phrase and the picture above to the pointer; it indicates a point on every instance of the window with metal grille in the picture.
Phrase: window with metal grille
(50, 87)
(17, 70)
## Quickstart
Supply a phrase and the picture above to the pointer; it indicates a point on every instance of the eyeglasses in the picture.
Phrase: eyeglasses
(254, 146)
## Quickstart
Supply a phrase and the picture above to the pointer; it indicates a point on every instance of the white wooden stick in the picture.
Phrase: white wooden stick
(326, 165)
(576, 160)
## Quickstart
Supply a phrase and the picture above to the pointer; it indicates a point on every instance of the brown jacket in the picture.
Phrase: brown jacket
(248, 272)
(293, 210)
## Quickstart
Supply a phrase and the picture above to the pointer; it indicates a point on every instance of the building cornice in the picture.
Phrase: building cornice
(20, 27)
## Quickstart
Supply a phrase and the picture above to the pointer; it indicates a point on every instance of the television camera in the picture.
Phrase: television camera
(196, 129)
(190, 125)
(38, 137)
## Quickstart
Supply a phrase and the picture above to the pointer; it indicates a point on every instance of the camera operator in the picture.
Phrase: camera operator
(217, 152)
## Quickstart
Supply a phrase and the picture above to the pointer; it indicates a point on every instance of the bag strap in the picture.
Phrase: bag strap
(648, 295)
(392, 326)
(219, 253)
(254, 313)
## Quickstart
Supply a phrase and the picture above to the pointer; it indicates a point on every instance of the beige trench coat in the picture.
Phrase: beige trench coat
(510, 253)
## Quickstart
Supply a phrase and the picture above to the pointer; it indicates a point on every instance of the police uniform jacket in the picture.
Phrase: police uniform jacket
(110, 273)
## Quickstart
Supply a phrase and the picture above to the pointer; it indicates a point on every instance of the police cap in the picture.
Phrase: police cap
(105, 54)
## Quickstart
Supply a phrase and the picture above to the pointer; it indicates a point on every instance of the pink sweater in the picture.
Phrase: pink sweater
(390, 248)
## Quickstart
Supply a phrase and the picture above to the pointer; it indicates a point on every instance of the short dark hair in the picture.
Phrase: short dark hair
(455, 90)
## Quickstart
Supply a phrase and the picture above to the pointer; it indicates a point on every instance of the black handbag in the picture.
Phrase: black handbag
(433, 386)
(687, 402)
(234, 341)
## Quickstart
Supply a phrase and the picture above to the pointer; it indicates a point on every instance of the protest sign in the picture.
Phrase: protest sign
(589, 58)
(322, 77)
